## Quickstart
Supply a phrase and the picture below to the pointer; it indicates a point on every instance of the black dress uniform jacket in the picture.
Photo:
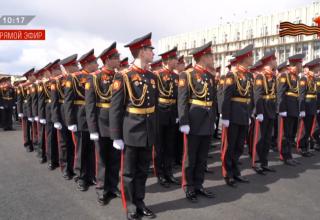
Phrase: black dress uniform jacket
(197, 100)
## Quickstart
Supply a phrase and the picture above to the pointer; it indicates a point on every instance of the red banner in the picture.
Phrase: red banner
(22, 34)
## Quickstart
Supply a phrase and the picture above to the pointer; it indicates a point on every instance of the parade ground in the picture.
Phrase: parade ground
(28, 190)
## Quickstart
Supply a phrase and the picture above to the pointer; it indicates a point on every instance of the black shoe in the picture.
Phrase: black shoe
(239, 163)
(230, 182)
(305, 154)
(172, 179)
(67, 175)
(316, 147)
(289, 162)
(163, 182)
(133, 216)
(43, 160)
(208, 171)
(268, 169)
(241, 179)
(82, 185)
(29, 149)
(191, 196)
(205, 193)
(295, 161)
(51, 166)
(258, 170)
(102, 201)
(115, 193)
(274, 149)
(144, 211)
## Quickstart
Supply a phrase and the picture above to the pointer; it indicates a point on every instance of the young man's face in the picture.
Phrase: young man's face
(92, 66)
(207, 60)
(113, 62)
(172, 63)
(180, 67)
(147, 54)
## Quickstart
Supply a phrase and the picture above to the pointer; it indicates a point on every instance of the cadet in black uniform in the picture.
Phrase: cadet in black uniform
(8, 99)
(24, 106)
(236, 112)
(314, 66)
(98, 102)
(265, 110)
(76, 119)
(197, 100)
(156, 65)
(124, 64)
(133, 124)
(308, 93)
(289, 108)
(167, 115)
(64, 136)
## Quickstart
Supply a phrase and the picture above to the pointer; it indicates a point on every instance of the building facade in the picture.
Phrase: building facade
(262, 31)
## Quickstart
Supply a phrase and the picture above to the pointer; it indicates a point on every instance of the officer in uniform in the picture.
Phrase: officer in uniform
(197, 100)
(307, 93)
(124, 64)
(42, 149)
(236, 112)
(98, 102)
(315, 68)
(64, 136)
(8, 99)
(289, 108)
(75, 114)
(24, 106)
(265, 110)
(133, 125)
(167, 114)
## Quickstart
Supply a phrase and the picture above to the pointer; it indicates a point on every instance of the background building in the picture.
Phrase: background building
(262, 31)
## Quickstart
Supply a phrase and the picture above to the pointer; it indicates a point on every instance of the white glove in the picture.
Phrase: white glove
(94, 136)
(13, 107)
(31, 119)
(318, 111)
(302, 114)
(118, 144)
(259, 117)
(72, 128)
(57, 125)
(177, 120)
(36, 118)
(20, 115)
(1, 107)
(225, 123)
(249, 121)
(283, 114)
(185, 129)
(43, 121)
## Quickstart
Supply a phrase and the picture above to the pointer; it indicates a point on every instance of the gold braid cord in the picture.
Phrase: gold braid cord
(200, 94)
(242, 91)
(45, 89)
(135, 101)
(61, 93)
(162, 90)
(272, 90)
(296, 89)
(75, 86)
(312, 87)
(104, 96)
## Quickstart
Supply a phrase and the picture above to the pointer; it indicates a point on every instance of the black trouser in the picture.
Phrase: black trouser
(66, 150)
(135, 168)
(217, 125)
(35, 134)
(274, 139)
(249, 139)
(316, 134)
(84, 157)
(179, 147)
(196, 160)
(42, 141)
(305, 139)
(107, 166)
(51, 142)
(165, 149)
(7, 118)
(236, 136)
(288, 138)
(264, 142)
(27, 133)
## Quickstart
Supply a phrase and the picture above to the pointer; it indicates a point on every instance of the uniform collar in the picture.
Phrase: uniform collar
(200, 68)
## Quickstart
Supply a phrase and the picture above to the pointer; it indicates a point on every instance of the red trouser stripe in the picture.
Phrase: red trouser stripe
(313, 125)
(300, 134)
(224, 145)
(280, 138)
(123, 196)
(254, 150)
(185, 152)
(75, 149)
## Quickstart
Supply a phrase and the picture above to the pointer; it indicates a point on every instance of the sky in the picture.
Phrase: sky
(76, 26)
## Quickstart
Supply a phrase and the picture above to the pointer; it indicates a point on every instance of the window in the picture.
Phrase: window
(194, 44)
(204, 40)
(225, 38)
(185, 45)
(214, 40)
